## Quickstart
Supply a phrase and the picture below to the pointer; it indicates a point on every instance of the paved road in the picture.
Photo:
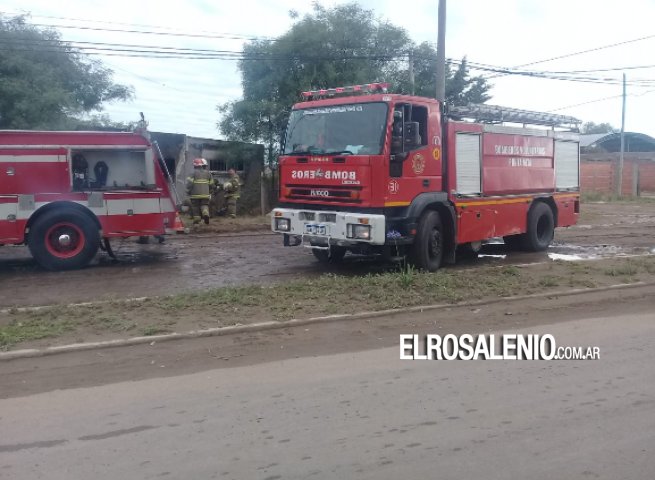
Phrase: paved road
(359, 415)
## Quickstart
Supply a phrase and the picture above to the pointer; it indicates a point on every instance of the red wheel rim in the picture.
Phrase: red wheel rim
(64, 240)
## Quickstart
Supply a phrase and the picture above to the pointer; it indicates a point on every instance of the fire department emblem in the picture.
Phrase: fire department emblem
(418, 164)
(319, 173)
(393, 187)
(436, 153)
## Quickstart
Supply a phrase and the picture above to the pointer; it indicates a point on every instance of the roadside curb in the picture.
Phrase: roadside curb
(271, 325)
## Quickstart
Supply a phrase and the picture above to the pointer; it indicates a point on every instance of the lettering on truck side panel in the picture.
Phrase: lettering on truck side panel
(519, 150)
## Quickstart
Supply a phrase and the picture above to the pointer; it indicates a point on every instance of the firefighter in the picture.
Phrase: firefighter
(232, 190)
(199, 187)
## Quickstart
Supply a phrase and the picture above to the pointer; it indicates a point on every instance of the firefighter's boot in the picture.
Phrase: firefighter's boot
(205, 213)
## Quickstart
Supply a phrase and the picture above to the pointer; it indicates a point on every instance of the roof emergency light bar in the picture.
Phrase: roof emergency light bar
(332, 92)
(495, 114)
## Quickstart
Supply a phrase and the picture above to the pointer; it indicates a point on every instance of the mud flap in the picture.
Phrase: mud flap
(106, 246)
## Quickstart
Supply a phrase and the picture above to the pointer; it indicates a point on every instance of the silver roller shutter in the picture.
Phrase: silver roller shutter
(467, 153)
(566, 165)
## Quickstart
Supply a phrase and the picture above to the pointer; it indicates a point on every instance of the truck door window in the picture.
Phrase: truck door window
(409, 128)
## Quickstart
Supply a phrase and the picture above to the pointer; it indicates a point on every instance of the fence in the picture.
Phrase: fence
(598, 173)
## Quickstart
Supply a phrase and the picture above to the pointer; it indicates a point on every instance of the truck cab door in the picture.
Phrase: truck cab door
(412, 166)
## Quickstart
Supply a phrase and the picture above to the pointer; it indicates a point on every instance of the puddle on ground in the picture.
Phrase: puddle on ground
(495, 250)
(565, 257)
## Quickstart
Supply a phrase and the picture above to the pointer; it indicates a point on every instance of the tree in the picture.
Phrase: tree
(45, 83)
(342, 45)
(591, 127)
(461, 88)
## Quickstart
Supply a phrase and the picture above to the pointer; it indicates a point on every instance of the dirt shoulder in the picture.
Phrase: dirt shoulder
(231, 256)
(324, 295)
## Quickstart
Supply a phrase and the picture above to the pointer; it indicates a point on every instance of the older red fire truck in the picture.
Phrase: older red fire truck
(65, 194)
(366, 171)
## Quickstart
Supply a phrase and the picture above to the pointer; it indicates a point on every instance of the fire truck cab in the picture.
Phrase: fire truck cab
(65, 194)
(367, 171)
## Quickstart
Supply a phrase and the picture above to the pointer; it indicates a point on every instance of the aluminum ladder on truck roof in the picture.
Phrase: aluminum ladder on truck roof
(494, 114)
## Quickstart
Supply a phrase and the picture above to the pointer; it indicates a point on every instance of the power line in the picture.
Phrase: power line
(589, 50)
(158, 52)
(585, 103)
(609, 69)
(164, 52)
(581, 52)
(601, 100)
(547, 75)
(140, 25)
(151, 32)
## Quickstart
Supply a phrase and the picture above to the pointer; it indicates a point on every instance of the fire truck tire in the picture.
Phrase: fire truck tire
(541, 228)
(63, 240)
(334, 255)
(427, 250)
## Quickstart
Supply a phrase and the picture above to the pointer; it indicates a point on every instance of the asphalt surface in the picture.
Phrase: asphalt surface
(356, 414)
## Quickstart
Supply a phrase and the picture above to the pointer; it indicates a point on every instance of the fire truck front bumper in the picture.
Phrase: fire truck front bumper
(324, 228)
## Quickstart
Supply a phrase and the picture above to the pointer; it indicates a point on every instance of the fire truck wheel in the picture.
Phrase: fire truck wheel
(541, 228)
(427, 250)
(63, 239)
(334, 255)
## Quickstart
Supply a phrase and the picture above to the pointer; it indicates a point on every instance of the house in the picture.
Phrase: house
(179, 151)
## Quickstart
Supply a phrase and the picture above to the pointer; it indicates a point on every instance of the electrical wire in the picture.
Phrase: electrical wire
(165, 52)
(581, 52)
(140, 25)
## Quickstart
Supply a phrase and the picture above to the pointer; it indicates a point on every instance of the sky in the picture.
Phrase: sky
(181, 95)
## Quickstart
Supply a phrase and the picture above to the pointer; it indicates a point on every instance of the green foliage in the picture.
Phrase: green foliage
(341, 45)
(45, 83)
(461, 88)
(591, 127)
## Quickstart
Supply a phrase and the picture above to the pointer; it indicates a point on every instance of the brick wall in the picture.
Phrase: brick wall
(598, 172)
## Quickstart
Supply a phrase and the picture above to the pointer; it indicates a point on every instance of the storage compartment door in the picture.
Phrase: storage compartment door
(467, 154)
(567, 165)
(9, 219)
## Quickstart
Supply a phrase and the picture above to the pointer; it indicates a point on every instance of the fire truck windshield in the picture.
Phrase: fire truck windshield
(338, 129)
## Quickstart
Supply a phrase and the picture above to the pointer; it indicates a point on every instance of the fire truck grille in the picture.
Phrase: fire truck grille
(326, 194)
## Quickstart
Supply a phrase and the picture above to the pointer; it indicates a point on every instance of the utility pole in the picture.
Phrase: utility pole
(441, 52)
(620, 173)
(411, 72)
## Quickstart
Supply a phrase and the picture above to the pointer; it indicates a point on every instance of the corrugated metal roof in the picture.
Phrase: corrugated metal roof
(610, 142)
(590, 138)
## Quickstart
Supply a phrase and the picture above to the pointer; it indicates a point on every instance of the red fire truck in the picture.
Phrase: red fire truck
(65, 194)
(366, 171)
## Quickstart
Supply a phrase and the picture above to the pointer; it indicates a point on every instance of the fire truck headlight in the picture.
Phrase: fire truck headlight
(359, 232)
(282, 224)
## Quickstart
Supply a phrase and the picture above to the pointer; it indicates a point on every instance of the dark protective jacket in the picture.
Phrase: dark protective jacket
(200, 185)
